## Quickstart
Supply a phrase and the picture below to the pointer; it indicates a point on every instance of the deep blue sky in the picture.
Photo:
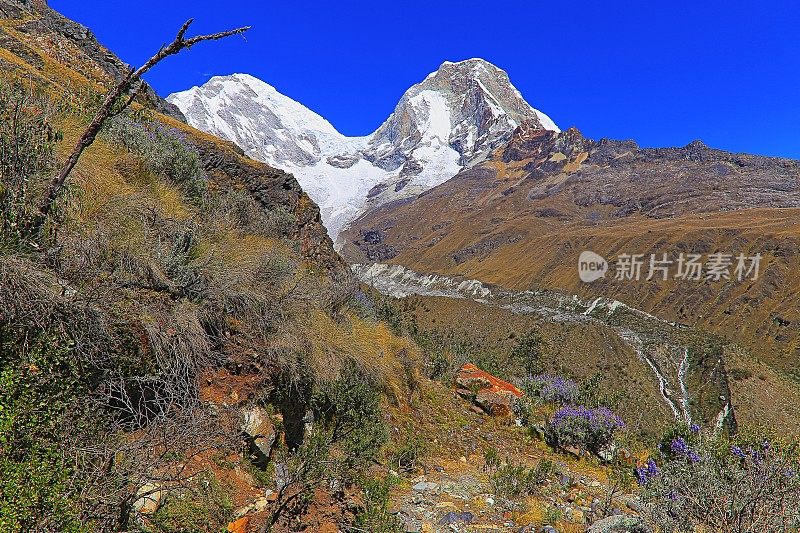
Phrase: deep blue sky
(662, 73)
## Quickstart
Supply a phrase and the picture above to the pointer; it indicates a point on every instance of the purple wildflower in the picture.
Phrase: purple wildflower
(695, 428)
(646, 472)
(588, 428)
(554, 389)
(600, 417)
(735, 450)
(679, 447)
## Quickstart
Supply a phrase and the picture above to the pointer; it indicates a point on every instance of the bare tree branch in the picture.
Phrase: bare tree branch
(107, 110)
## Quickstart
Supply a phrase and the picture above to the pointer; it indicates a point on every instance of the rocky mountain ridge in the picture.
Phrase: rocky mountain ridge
(521, 218)
(72, 34)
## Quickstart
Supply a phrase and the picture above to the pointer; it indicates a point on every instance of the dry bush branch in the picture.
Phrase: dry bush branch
(32, 298)
(109, 107)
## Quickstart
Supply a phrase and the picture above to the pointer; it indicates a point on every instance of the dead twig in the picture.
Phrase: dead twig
(107, 110)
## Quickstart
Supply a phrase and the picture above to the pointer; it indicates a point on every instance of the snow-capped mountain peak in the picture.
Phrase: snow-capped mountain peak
(265, 123)
(450, 120)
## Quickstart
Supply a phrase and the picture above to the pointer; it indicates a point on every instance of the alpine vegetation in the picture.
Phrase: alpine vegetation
(701, 480)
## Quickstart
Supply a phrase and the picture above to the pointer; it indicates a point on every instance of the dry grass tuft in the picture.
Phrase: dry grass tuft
(385, 358)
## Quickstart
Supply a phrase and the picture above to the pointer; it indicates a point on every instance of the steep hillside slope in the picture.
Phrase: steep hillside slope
(178, 288)
(522, 218)
(447, 122)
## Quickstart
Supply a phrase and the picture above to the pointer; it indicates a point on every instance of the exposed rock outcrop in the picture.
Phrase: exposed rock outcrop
(489, 393)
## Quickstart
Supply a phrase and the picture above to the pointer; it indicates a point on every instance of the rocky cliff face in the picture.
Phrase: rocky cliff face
(229, 167)
(96, 60)
(449, 121)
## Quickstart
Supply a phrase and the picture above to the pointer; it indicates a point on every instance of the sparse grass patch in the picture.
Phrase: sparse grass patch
(164, 151)
(205, 506)
(512, 481)
(491, 459)
(406, 455)
(28, 141)
(375, 517)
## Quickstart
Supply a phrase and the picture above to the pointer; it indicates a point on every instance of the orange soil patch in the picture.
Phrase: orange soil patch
(471, 373)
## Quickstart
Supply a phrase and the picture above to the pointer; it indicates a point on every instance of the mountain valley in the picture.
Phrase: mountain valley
(229, 316)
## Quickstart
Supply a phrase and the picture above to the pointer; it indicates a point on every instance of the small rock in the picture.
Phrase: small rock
(260, 434)
(607, 453)
(410, 523)
(489, 500)
(258, 505)
(454, 518)
(239, 526)
(150, 496)
(625, 455)
(572, 450)
(633, 504)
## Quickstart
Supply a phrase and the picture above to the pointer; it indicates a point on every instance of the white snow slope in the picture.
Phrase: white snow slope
(449, 121)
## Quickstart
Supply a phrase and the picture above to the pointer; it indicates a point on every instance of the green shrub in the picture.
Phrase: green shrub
(39, 387)
(27, 158)
(406, 456)
(350, 407)
(530, 352)
(491, 459)
(513, 481)
(348, 434)
(375, 516)
(594, 394)
(164, 152)
(204, 507)
(552, 515)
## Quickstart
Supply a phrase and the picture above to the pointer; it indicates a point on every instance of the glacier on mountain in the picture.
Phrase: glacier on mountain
(449, 121)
